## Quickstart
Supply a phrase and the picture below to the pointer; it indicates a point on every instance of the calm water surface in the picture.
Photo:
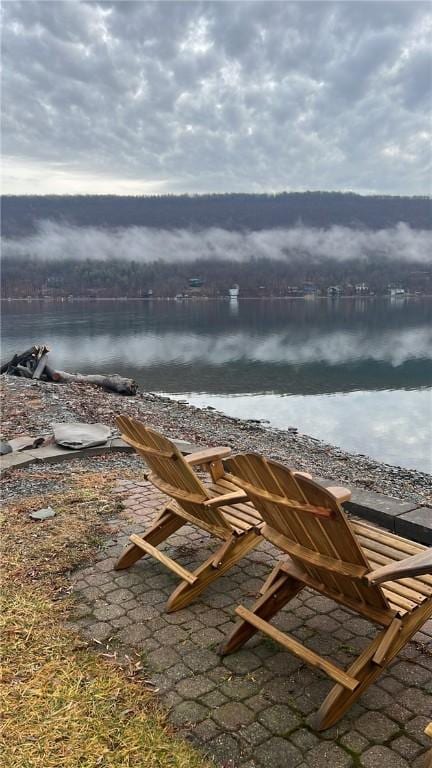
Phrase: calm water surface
(355, 373)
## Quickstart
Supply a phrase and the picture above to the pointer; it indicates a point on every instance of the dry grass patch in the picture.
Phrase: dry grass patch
(33, 550)
(64, 705)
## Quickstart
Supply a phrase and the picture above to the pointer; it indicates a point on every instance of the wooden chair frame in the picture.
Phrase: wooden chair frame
(219, 508)
(343, 560)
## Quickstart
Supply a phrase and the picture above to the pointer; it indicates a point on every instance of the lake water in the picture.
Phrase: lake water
(355, 373)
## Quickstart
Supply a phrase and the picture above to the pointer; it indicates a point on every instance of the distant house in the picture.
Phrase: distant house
(234, 292)
(362, 289)
(397, 293)
(334, 290)
(293, 290)
(310, 290)
(195, 282)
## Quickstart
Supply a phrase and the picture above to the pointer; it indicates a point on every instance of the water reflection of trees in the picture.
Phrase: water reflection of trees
(215, 316)
(286, 347)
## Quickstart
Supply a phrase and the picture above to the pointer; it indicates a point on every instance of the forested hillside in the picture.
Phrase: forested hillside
(30, 277)
(20, 215)
(271, 245)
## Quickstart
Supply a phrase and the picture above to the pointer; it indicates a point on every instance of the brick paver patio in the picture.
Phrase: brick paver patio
(253, 708)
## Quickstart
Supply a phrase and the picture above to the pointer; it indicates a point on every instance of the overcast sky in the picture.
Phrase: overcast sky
(140, 97)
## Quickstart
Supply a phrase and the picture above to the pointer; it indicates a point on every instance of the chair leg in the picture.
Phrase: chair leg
(366, 670)
(167, 523)
(279, 593)
(216, 565)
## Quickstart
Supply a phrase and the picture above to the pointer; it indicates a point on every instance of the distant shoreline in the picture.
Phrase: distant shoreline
(197, 299)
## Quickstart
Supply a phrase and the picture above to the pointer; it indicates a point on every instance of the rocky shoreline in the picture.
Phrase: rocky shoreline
(30, 407)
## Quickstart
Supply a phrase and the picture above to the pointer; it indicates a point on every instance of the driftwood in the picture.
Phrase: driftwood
(33, 364)
(113, 383)
(24, 371)
(30, 358)
(40, 366)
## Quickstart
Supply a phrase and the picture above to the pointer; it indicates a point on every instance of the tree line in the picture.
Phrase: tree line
(28, 276)
(235, 212)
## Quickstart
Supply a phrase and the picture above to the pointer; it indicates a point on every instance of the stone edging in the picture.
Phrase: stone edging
(407, 519)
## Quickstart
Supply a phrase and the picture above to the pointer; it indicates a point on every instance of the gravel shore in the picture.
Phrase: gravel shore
(30, 407)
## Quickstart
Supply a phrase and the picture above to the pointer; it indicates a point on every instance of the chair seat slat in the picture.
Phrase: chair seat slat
(411, 587)
(381, 559)
(392, 540)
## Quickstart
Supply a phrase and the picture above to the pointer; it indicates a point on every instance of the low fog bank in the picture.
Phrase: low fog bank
(145, 245)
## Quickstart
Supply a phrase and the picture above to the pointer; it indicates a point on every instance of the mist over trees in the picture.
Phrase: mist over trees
(56, 246)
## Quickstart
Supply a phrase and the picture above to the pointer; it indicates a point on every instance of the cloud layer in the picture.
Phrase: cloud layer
(145, 244)
(216, 96)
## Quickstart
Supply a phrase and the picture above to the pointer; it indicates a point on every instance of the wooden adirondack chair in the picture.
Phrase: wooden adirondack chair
(344, 560)
(218, 508)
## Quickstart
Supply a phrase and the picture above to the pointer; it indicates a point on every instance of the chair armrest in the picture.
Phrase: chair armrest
(207, 455)
(302, 474)
(340, 494)
(147, 449)
(416, 565)
(227, 498)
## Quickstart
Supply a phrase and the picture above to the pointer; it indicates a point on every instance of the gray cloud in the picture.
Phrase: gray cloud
(215, 96)
(145, 244)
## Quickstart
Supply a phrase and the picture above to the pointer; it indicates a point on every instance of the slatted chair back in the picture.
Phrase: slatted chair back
(172, 474)
(306, 521)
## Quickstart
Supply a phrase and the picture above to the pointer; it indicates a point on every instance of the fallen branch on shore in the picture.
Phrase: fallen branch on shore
(33, 364)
